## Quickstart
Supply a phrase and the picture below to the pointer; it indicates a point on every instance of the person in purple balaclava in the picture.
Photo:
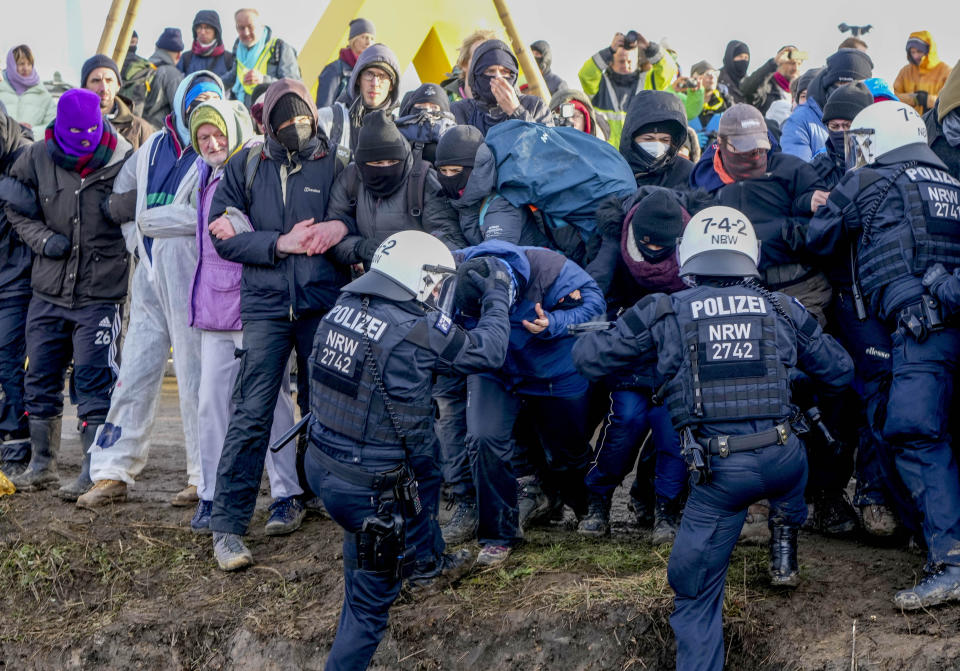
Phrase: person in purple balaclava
(23, 95)
(79, 279)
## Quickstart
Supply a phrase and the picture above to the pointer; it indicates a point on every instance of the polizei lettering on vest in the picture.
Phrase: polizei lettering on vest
(924, 174)
(718, 306)
(354, 320)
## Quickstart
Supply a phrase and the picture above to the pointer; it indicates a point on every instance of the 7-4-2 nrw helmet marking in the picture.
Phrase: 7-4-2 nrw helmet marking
(719, 242)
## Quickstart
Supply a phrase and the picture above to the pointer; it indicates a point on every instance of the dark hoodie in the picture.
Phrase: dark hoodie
(733, 72)
(15, 256)
(554, 81)
(484, 114)
(649, 107)
(333, 119)
(286, 189)
(214, 58)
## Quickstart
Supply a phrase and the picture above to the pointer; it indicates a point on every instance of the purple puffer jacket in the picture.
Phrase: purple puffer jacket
(215, 297)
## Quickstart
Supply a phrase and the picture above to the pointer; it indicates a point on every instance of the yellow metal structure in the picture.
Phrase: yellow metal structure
(426, 33)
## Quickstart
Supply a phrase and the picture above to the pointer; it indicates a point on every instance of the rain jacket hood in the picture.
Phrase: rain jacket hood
(381, 56)
(179, 114)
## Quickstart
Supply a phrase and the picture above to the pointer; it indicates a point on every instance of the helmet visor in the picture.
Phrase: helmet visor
(436, 288)
(856, 147)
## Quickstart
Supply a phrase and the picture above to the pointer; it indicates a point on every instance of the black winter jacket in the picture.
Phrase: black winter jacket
(95, 270)
(15, 257)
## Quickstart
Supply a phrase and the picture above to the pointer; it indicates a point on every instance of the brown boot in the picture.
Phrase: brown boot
(185, 497)
(102, 493)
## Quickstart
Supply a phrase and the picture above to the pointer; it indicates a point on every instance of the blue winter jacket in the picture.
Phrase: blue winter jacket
(540, 364)
(804, 134)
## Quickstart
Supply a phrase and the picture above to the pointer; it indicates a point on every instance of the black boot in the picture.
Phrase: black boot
(72, 491)
(44, 444)
(15, 451)
(666, 521)
(784, 570)
(597, 520)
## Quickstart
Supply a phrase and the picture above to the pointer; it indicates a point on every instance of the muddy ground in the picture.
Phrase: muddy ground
(129, 587)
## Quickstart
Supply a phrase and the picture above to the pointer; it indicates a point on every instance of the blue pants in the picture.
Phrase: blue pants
(13, 354)
(450, 395)
(709, 529)
(918, 412)
(560, 424)
(57, 335)
(267, 344)
(368, 595)
(632, 414)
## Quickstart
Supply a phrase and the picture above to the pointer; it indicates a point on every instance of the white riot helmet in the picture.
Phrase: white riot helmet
(410, 265)
(879, 128)
(719, 242)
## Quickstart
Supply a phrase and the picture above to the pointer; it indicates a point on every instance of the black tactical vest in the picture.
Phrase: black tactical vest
(732, 369)
(928, 233)
(343, 395)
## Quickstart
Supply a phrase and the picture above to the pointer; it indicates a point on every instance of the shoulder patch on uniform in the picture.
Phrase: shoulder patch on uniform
(443, 324)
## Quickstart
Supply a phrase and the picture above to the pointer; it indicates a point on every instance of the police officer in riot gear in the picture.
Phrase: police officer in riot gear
(372, 452)
(724, 351)
(905, 207)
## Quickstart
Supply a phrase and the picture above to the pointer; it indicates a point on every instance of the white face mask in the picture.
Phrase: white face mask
(655, 149)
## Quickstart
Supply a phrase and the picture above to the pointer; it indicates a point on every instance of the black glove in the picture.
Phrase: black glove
(936, 274)
(478, 279)
(921, 97)
(105, 209)
(56, 247)
(365, 249)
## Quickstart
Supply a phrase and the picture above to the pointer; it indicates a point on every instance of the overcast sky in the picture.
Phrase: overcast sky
(64, 32)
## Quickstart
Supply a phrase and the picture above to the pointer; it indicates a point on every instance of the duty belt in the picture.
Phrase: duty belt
(355, 475)
(785, 274)
(920, 319)
(724, 446)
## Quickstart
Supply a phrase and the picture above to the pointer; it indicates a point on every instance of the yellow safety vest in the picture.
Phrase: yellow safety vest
(260, 66)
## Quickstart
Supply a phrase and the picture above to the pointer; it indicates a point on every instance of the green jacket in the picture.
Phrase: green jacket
(596, 83)
(36, 106)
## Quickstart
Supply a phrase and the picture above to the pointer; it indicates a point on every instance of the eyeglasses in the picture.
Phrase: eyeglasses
(370, 76)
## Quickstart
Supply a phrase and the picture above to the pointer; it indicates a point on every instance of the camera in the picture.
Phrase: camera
(630, 39)
(563, 114)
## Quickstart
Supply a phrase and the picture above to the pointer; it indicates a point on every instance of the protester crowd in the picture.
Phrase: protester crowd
(220, 205)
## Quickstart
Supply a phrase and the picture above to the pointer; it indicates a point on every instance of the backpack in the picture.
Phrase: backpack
(255, 156)
(137, 84)
(422, 128)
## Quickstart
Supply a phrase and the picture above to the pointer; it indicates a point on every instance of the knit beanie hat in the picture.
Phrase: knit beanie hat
(426, 93)
(380, 140)
(458, 146)
(289, 105)
(361, 26)
(170, 40)
(202, 85)
(847, 101)
(847, 65)
(700, 67)
(205, 114)
(80, 109)
(658, 220)
(97, 61)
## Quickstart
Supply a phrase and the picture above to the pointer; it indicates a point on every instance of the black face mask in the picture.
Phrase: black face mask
(481, 88)
(738, 70)
(382, 181)
(296, 136)
(655, 255)
(835, 144)
(454, 185)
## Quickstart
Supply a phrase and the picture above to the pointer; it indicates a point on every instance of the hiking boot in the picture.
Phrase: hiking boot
(938, 586)
(83, 482)
(493, 555)
(755, 526)
(878, 520)
(784, 570)
(102, 493)
(445, 573)
(666, 521)
(230, 551)
(532, 503)
(833, 515)
(314, 506)
(597, 520)
(462, 525)
(200, 524)
(15, 452)
(186, 497)
(642, 512)
(286, 516)
(41, 472)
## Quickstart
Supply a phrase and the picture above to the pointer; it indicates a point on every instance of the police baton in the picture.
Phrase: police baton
(292, 433)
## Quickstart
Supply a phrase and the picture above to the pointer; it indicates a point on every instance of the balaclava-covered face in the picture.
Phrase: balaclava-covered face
(79, 123)
(481, 82)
